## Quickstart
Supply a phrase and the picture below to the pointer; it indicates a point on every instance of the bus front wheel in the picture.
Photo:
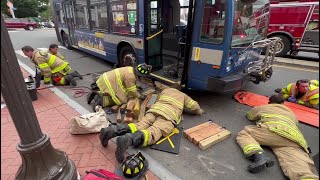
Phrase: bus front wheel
(65, 41)
(127, 56)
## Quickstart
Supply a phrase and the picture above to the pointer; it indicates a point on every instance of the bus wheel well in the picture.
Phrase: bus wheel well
(123, 49)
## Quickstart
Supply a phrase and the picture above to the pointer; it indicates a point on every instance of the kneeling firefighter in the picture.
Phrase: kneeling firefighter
(160, 120)
(117, 86)
(53, 68)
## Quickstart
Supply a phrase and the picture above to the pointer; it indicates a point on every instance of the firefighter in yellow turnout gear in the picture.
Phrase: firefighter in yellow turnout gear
(52, 67)
(277, 127)
(303, 92)
(159, 121)
(53, 49)
(117, 86)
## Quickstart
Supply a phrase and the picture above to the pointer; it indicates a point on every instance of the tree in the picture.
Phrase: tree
(26, 8)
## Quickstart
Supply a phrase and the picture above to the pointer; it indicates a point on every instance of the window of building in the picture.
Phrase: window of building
(213, 22)
(82, 15)
(124, 16)
(99, 15)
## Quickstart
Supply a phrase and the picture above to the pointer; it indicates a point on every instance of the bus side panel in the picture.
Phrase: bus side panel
(208, 60)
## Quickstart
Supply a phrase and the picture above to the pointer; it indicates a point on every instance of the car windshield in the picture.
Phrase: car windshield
(251, 21)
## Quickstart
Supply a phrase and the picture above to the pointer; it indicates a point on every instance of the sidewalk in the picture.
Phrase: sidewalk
(53, 115)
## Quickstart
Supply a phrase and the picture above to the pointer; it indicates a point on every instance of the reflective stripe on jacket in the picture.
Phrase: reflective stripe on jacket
(49, 64)
(171, 104)
(279, 119)
(120, 84)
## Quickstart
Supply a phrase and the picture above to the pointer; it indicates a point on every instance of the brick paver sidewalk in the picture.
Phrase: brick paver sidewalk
(53, 115)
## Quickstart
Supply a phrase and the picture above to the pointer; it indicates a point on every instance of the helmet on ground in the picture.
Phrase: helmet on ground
(134, 166)
(143, 69)
(314, 82)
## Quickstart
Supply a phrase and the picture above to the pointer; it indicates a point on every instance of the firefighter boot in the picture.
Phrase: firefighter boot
(90, 96)
(260, 162)
(69, 79)
(97, 101)
(124, 142)
(76, 74)
(112, 131)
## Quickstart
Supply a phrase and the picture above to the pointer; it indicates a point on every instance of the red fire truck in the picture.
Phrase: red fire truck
(297, 24)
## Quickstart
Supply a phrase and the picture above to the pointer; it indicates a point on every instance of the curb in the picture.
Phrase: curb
(297, 63)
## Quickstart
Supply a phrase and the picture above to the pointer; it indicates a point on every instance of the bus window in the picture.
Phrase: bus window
(124, 16)
(99, 15)
(213, 22)
(59, 12)
(82, 14)
(250, 23)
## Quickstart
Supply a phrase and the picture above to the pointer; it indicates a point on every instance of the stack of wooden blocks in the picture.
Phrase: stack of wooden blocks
(206, 135)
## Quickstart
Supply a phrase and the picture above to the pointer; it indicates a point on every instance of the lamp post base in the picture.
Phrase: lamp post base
(41, 161)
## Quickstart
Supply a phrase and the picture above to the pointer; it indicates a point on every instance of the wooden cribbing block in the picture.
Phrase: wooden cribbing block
(130, 105)
(114, 109)
(206, 143)
(136, 110)
(197, 133)
(207, 132)
(152, 100)
(188, 132)
(123, 108)
(143, 107)
(119, 118)
(148, 91)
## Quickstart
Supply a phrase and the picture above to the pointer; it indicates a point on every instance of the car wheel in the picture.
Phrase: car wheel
(127, 56)
(30, 28)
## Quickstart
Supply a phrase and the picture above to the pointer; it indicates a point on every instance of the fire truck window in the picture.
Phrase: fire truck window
(213, 22)
(313, 25)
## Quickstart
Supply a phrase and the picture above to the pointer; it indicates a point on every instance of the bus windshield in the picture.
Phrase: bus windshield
(251, 21)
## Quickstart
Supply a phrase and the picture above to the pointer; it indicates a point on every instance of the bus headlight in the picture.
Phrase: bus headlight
(229, 66)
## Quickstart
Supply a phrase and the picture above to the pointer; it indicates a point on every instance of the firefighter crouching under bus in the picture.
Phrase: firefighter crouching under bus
(117, 86)
(53, 68)
(277, 127)
(53, 49)
(160, 120)
(303, 92)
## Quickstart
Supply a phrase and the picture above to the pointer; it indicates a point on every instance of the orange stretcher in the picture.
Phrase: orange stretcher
(304, 114)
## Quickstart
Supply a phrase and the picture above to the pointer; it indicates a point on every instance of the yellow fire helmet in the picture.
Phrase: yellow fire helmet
(134, 167)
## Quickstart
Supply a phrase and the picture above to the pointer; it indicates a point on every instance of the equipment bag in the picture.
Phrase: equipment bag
(89, 123)
(101, 174)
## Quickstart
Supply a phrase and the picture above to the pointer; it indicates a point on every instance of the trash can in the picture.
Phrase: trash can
(31, 87)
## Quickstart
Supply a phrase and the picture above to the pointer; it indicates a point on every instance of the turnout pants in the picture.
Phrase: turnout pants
(153, 127)
(294, 161)
(107, 100)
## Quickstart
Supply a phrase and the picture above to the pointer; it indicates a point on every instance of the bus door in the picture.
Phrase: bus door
(154, 34)
(70, 20)
(210, 43)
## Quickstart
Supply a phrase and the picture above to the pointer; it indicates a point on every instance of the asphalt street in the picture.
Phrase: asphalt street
(222, 161)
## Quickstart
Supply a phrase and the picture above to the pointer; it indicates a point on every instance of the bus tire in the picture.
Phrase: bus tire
(127, 56)
(283, 47)
(65, 41)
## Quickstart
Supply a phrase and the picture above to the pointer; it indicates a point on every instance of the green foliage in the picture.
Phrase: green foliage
(28, 8)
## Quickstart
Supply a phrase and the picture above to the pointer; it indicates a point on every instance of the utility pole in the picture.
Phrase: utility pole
(39, 158)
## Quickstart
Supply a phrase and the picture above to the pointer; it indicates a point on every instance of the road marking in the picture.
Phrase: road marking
(295, 68)
(62, 47)
(12, 31)
(21, 53)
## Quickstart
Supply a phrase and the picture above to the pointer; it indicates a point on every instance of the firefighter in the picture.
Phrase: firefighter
(277, 127)
(314, 83)
(117, 86)
(160, 120)
(302, 93)
(52, 67)
(53, 49)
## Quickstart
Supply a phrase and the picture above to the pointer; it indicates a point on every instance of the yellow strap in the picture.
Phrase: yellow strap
(190, 104)
(43, 65)
(60, 68)
(171, 143)
(113, 96)
(146, 137)
(132, 127)
(251, 146)
(118, 77)
(174, 101)
(52, 60)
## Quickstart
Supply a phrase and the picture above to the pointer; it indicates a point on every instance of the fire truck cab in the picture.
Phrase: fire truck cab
(297, 24)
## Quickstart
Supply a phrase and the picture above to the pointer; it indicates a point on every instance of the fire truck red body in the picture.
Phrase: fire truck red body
(297, 24)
